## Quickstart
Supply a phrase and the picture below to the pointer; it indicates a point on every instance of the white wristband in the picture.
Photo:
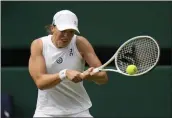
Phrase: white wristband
(62, 74)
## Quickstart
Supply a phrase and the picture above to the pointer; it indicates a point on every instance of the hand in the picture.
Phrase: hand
(88, 73)
(74, 76)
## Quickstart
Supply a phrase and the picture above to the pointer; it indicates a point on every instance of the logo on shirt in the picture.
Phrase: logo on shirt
(59, 60)
(71, 52)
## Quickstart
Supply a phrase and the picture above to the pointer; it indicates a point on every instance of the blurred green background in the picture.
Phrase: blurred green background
(105, 24)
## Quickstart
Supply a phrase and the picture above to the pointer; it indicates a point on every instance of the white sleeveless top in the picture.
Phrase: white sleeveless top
(66, 97)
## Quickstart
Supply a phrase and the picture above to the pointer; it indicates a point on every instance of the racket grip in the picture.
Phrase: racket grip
(96, 70)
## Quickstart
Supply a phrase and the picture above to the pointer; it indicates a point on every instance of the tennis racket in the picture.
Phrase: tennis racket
(141, 51)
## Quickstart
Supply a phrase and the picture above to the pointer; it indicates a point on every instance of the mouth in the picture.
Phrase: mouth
(64, 40)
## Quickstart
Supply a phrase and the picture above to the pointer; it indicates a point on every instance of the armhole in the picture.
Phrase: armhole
(45, 41)
(77, 51)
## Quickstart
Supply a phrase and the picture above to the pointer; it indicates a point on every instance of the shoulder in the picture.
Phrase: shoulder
(82, 42)
(36, 45)
(80, 39)
(39, 41)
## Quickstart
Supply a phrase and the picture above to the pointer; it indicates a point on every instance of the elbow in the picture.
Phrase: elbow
(40, 86)
(103, 81)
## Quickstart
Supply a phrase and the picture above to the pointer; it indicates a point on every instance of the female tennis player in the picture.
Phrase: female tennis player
(56, 65)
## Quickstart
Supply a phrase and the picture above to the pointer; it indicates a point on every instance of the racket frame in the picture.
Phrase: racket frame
(114, 57)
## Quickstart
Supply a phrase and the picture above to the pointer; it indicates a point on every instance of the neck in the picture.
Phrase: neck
(53, 39)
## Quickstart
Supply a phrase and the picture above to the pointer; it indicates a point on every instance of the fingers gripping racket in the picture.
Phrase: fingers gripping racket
(141, 51)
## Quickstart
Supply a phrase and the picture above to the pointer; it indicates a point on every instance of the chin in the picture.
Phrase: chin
(64, 45)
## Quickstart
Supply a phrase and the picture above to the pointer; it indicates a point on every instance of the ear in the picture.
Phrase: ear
(49, 28)
(52, 28)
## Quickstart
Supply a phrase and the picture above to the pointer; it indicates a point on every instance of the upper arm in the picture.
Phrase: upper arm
(36, 61)
(87, 51)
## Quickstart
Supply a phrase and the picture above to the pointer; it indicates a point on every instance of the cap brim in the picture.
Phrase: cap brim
(65, 27)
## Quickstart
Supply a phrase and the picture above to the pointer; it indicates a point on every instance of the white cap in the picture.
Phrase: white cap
(65, 19)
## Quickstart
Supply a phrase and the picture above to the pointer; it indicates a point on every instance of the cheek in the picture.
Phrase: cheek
(58, 34)
(71, 35)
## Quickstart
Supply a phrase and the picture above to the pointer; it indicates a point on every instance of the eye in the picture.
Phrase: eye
(72, 31)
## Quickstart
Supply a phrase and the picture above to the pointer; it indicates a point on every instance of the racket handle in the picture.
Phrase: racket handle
(96, 70)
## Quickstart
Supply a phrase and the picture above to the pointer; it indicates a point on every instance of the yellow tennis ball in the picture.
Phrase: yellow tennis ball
(131, 69)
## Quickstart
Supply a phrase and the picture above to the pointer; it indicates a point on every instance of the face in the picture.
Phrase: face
(62, 38)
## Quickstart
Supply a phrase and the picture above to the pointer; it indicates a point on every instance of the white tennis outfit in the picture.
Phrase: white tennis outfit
(66, 99)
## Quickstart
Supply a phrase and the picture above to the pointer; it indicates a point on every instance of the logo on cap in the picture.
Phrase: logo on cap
(75, 22)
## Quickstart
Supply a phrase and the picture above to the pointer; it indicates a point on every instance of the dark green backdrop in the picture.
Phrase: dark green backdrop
(104, 24)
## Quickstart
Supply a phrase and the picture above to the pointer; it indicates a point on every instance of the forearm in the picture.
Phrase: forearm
(99, 78)
(46, 81)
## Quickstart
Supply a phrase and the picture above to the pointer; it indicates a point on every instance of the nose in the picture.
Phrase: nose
(65, 34)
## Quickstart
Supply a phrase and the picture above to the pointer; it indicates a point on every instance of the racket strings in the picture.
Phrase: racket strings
(142, 52)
